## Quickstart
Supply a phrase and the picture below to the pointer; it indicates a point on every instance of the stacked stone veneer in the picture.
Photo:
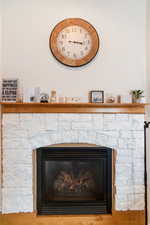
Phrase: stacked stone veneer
(23, 133)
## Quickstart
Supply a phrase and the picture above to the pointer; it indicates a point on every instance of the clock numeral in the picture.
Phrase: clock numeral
(86, 48)
(67, 31)
(74, 55)
(88, 42)
(63, 36)
(68, 53)
(63, 49)
(80, 30)
(81, 53)
(74, 29)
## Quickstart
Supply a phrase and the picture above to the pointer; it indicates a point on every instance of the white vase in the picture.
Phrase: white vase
(139, 100)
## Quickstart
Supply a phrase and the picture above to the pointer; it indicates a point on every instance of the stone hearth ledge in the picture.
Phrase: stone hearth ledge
(25, 132)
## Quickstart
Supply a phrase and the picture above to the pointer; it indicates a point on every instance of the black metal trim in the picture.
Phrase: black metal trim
(74, 207)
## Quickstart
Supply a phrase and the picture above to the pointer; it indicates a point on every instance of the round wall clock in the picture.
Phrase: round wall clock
(74, 42)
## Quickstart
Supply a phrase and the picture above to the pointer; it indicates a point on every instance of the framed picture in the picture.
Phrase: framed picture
(9, 90)
(97, 96)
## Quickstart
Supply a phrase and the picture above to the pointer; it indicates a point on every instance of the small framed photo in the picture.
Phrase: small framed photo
(97, 96)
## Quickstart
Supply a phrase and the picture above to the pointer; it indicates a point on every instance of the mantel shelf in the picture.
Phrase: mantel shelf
(127, 108)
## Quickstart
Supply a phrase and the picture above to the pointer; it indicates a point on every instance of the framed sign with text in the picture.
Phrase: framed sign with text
(9, 90)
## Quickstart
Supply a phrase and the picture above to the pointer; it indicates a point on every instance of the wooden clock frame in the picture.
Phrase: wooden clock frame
(64, 59)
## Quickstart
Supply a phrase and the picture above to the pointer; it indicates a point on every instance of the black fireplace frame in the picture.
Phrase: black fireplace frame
(73, 207)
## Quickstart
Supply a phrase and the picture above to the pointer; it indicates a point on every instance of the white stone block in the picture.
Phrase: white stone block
(50, 122)
(54, 137)
(126, 134)
(82, 126)
(85, 118)
(16, 143)
(137, 122)
(127, 153)
(118, 122)
(75, 117)
(65, 125)
(122, 117)
(138, 164)
(50, 125)
(130, 189)
(109, 117)
(68, 117)
(31, 127)
(126, 143)
(9, 118)
(17, 175)
(22, 156)
(124, 160)
(26, 116)
(139, 142)
(50, 116)
(69, 137)
(97, 121)
(129, 174)
(13, 132)
(121, 202)
(139, 180)
(136, 202)
(127, 189)
(138, 153)
(138, 135)
(87, 137)
(41, 139)
(108, 139)
(17, 200)
(139, 189)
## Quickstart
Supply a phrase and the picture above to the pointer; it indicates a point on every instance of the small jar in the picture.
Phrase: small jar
(53, 97)
(110, 98)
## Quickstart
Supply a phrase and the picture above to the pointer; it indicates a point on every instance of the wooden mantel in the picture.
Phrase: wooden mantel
(129, 108)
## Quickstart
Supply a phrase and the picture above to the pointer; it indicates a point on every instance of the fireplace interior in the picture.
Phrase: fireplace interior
(74, 180)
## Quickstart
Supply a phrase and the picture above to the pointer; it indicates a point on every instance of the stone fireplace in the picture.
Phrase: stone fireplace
(25, 132)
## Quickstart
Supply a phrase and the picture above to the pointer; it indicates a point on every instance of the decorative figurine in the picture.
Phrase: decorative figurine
(44, 98)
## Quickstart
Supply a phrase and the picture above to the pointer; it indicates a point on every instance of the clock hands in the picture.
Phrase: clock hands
(76, 42)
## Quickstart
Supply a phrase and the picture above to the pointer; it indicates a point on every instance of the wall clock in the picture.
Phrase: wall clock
(74, 42)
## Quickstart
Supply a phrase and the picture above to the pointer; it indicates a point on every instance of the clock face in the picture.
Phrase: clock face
(74, 42)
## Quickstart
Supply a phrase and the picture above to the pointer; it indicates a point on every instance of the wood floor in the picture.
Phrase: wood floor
(117, 218)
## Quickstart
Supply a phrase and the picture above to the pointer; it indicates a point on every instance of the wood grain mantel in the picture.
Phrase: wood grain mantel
(72, 108)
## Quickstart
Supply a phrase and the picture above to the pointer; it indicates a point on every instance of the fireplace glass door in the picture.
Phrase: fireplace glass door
(74, 180)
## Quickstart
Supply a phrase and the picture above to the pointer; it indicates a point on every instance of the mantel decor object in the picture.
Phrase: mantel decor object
(9, 90)
(44, 97)
(53, 97)
(97, 96)
(137, 96)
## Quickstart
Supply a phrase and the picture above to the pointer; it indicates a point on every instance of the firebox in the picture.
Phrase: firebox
(74, 180)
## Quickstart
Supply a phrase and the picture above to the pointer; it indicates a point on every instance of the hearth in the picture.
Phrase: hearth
(74, 180)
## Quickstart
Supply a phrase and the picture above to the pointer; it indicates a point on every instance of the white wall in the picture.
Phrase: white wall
(148, 47)
(1, 13)
(119, 66)
(148, 108)
(0, 78)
